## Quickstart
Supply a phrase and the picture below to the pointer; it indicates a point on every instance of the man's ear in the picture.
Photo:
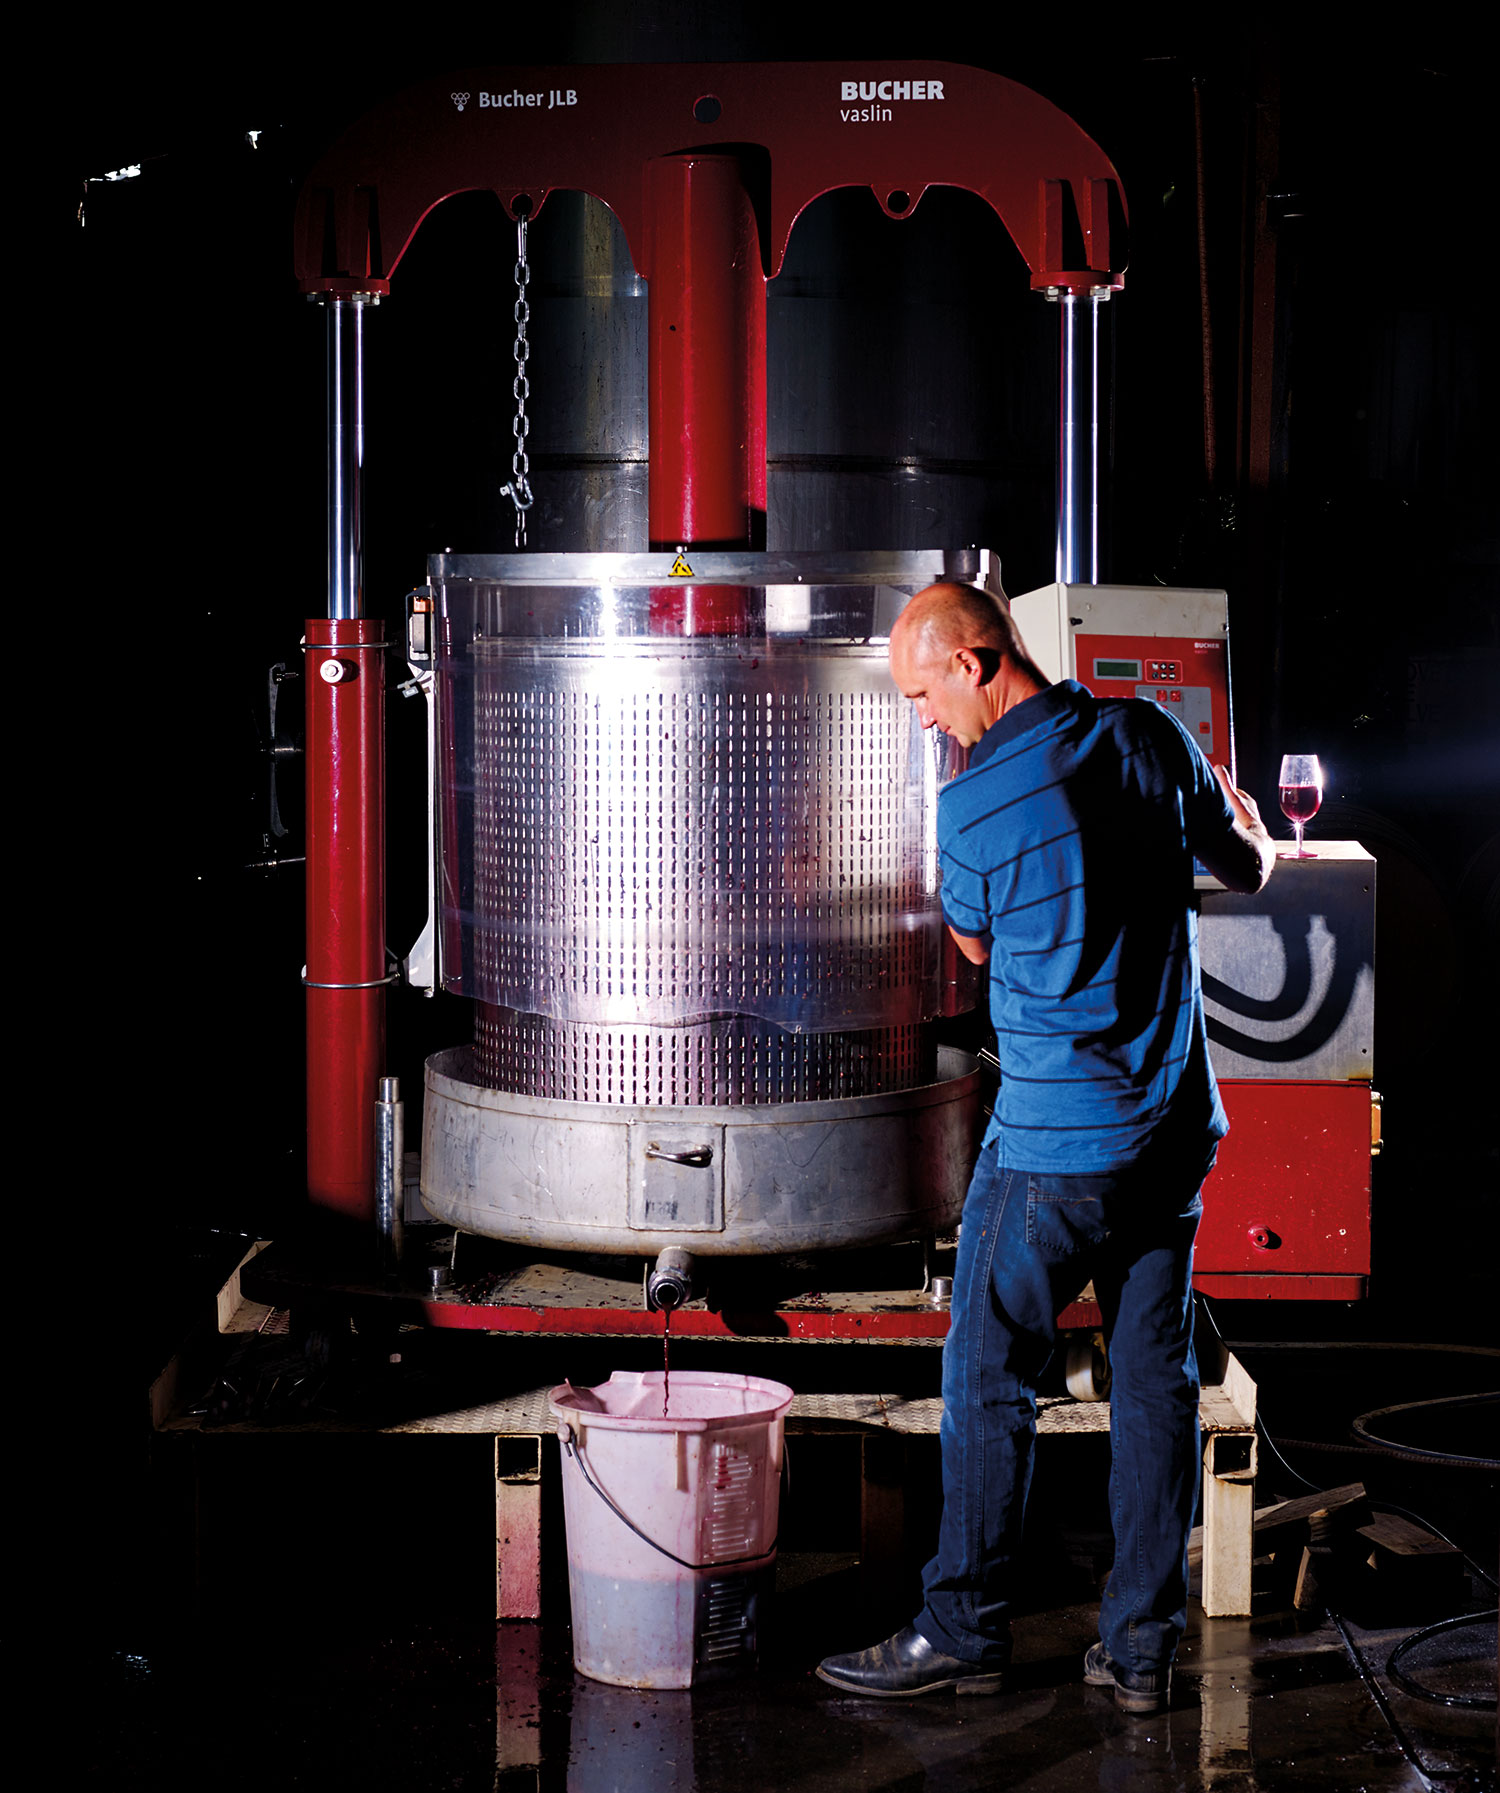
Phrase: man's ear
(985, 662)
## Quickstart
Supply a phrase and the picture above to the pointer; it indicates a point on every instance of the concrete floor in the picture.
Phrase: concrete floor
(1257, 1705)
(312, 1652)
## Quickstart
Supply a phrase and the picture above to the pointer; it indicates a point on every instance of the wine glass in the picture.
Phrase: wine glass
(1301, 793)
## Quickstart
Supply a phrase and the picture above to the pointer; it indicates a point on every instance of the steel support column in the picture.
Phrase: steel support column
(345, 761)
(345, 757)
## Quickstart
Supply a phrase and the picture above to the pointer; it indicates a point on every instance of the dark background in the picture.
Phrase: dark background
(1349, 513)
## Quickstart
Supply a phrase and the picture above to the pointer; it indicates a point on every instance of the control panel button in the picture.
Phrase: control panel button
(1192, 705)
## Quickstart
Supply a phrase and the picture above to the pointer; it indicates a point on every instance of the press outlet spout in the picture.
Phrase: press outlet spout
(670, 1284)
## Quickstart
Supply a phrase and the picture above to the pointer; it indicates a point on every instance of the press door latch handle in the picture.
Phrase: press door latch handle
(697, 1157)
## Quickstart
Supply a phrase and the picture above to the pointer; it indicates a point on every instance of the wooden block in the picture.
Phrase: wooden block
(1390, 1532)
(1312, 1577)
(1310, 1506)
(1344, 1504)
(1407, 1565)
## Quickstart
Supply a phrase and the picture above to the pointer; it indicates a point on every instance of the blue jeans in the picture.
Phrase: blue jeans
(1029, 1243)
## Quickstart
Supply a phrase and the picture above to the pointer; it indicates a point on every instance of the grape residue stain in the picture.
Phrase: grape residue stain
(666, 1359)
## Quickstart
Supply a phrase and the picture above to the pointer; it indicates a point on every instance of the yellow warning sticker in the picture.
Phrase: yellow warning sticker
(680, 567)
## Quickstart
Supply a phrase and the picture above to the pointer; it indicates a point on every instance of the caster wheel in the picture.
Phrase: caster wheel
(1087, 1370)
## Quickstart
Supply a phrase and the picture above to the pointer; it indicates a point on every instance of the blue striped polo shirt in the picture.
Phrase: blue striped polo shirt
(1069, 842)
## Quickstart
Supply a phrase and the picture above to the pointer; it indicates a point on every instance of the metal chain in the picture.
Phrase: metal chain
(519, 490)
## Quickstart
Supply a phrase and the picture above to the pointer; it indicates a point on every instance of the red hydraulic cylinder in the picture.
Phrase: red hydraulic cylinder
(707, 377)
(345, 759)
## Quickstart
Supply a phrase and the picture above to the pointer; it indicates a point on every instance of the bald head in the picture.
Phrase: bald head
(958, 656)
(948, 616)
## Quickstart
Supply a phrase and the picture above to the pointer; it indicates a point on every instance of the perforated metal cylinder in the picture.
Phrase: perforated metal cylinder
(739, 1062)
(669, 837)
(684, 871)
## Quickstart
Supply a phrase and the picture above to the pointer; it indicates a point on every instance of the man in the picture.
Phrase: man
(1067, 849)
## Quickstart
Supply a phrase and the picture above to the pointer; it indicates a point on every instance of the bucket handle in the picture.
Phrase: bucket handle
(732, 1562)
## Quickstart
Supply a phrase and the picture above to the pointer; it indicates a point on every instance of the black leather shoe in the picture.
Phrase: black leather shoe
(1141, 1694)
(906, 1664)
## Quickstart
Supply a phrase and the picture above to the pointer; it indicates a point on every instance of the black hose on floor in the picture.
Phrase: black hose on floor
(1415, 1688)
(1362, 1668)
(1383, 1706)
(1361, 1429)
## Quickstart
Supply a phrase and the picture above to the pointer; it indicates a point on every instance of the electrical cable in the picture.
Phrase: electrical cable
(1381, 1505)
(1433, 1459)
(1361, 1429)
(1403, 1453)
(1272, 1446)
(1383, 1706)
(1438, 1347)
(1420, 1637)
(1362, 1668)
(1393, 1672)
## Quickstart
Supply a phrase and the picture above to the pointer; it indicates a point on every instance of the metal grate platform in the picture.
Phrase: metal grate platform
(528, 1414)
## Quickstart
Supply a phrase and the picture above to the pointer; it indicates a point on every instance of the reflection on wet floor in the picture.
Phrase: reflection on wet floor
(1255, 1707)
(1258, 1707)
(1225, 1756)
(1040, 1736)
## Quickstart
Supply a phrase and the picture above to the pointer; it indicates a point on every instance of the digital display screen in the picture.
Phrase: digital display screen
(1117, 669)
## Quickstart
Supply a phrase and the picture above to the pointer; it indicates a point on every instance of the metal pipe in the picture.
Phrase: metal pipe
(1205, 311)
(346, 452)
(346, 970)
(670, 1283)
(1079, 437)
(706, 373)
(390, 1152)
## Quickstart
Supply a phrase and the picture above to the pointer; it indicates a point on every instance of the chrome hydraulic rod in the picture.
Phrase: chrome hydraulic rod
(346, 452)
(1080, 436)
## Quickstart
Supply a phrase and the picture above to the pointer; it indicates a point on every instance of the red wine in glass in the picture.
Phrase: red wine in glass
(1300, 788)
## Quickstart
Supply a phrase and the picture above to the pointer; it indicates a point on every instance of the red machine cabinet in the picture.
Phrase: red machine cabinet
(1286, 1212)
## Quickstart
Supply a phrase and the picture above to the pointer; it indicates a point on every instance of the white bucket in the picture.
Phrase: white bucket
(671, 1520)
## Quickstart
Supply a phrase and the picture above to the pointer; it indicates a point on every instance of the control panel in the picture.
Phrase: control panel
(1165, 645)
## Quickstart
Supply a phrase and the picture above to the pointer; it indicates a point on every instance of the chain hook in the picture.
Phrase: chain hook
(519, 491)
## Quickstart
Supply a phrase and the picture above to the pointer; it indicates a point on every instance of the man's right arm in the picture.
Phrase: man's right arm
(965, 897)
(974, 947)
(1241, 860)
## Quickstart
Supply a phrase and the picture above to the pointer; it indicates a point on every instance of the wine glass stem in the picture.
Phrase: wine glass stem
(1301, 854)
